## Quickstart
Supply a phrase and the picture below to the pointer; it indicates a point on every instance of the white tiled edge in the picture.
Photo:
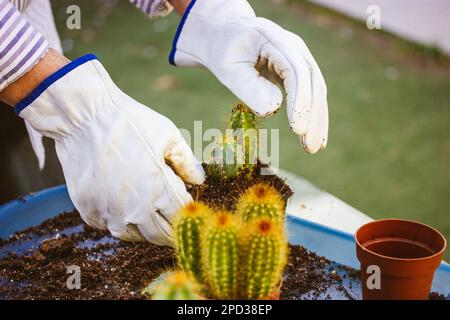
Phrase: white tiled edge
(311, 203)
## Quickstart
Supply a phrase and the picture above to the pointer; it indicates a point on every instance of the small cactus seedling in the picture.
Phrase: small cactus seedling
(242, 117)
(226, 159)
(263, 258)
(220, 255)
(177, 286)
(239, 148)
(188, 227)
(261, 200)
(243, 124)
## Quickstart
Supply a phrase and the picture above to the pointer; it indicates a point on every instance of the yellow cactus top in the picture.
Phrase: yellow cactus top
(224, 219)
(261, 199)
(264, 226)
(262, 193)
(194, 208)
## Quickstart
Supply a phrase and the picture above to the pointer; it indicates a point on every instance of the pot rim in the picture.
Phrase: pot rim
(440, 252)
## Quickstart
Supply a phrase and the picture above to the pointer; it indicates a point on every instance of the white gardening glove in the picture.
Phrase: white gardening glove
(115, 152)
(226, 37)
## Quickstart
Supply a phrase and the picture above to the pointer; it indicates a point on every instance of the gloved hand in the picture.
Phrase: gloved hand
(226, 37)
(124, 164)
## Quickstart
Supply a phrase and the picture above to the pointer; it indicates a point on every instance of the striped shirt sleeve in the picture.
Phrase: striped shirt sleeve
(153, 8)
(21, 46)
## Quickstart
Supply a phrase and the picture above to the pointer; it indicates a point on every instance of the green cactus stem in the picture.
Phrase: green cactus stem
(264, 256)
(242, 117)
(225, 159)
(243, 124)
(188, 226)
(239, 149)
(220, 255)
(261, 200)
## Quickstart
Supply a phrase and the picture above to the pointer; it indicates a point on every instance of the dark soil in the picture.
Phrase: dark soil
(109, 268)
(224, 193)
(33, 268)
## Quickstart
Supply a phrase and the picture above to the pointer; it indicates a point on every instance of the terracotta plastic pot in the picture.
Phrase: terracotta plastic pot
(404, 253)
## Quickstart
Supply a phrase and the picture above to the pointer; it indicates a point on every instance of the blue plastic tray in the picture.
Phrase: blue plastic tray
(337, 246)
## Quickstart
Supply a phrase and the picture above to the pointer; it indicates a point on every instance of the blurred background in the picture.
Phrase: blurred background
(389, 144)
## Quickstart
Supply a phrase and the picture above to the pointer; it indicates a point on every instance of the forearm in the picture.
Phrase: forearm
(49, 64)
(19, 89)
(21, 47)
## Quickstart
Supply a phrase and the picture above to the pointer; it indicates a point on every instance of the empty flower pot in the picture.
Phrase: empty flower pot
(398, 258)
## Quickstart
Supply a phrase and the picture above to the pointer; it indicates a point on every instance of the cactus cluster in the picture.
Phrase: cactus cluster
(238, 255)
(238, 150)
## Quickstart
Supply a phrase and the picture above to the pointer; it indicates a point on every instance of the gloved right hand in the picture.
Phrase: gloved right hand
(244, 51)
(124, 164)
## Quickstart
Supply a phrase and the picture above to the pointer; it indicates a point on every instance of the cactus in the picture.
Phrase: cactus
(230, 256)
(239, 148)
(176, 286)
(263, 258)
(225, 159)
(188, 226)
(220, 255)
(243, 124)
(242, 117)
(261, 200)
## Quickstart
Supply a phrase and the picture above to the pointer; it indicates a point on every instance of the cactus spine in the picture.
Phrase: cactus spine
(264, 256)
(220, 255)
(261, 200)
(177, 286)
(188, 227)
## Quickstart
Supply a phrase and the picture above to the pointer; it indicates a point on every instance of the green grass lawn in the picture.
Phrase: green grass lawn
(389, 147)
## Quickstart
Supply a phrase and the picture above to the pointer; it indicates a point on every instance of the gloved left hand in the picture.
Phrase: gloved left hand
(125, 165)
